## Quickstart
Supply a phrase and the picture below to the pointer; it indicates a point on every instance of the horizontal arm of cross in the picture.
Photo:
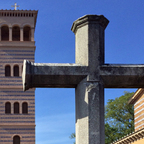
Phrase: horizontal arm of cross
(122, 76)
(52, 75)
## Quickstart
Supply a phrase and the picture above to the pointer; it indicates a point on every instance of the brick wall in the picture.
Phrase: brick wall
(139, 113)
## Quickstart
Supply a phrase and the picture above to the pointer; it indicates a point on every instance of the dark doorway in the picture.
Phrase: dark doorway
(16, 140)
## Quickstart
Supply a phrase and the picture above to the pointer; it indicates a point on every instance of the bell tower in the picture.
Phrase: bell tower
(17, 108)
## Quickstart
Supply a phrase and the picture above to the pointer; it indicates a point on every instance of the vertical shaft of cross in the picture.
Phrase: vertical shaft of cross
(89, 113)
(89, 34)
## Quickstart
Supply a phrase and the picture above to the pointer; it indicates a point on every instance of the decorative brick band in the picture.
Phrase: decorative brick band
(132, 137)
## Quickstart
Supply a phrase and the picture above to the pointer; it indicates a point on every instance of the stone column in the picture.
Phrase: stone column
(89, 34)
(32, 34)
(12, 107)
(90, 113)
(10, 33)
(21, 34)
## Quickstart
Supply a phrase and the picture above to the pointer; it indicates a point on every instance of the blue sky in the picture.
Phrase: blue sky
(55, 43)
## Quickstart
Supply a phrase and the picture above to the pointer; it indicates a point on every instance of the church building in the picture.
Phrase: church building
(17, 108)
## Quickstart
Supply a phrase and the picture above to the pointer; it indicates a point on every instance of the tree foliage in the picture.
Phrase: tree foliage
(72, 136)
(119, 118)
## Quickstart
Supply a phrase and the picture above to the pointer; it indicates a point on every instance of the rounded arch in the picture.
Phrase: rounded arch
(16, 24)
(27, 33)
(16, 139)
(16, 33)
(7, 70)
(27, 24)
(16, 108)
(5, 24)
(4, 33)
(25, 108)
(16, 135)
(7, 107)
(16, 70)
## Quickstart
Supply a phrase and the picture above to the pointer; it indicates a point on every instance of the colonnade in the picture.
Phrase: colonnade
(20, 33)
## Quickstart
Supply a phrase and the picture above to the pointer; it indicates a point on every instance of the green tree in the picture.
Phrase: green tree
(119, 118)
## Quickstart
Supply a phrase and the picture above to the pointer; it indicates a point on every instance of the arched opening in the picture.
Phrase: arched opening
(16, 140)
(16, 33)
(7, 70)
(16, 108)
(25, 108)
(27, 33)
(4, 33)
(7, 107)
(16, 70)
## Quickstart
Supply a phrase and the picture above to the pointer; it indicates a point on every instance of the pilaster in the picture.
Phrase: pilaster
(21, 34)
(10, 33)
(32, 34)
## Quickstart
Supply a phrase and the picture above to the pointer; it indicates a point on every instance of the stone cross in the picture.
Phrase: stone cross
(15, 6)
(89, 75)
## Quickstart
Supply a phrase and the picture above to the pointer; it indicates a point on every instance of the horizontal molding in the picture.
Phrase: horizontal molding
(131, 138)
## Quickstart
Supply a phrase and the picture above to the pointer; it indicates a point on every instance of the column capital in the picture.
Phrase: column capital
(90, 19)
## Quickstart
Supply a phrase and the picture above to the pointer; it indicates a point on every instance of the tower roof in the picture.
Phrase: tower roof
(136, 96)
(19, 13)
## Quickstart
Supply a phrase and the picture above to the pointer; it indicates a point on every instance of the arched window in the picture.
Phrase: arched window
(4, 33)
(27, 33)
(16, 108)
(25, 108)
(16, 70)
(7, 70)
(7, 107)
(16, 140)
(16, 33)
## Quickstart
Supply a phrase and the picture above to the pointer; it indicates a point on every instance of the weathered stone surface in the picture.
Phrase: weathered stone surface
(52, 75)
(122, 76)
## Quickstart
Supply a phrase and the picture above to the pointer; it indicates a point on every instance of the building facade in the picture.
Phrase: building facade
(17, 108)
(137, 137)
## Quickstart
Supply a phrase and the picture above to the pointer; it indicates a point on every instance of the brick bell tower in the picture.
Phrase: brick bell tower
(17, 108)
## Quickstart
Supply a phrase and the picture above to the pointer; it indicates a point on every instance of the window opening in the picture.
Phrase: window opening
(7, 107)
(16, 33)
(7, 70)
(16, 108)
(16, 70)
(25, 108)
(4, 33)
(27, 33)
(16, 140)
